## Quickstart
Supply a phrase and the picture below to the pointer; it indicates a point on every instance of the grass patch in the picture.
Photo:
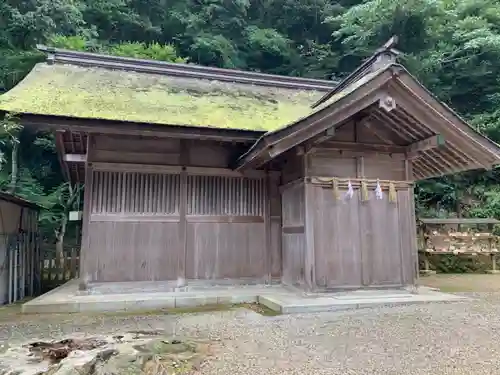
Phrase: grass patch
(463, 283)
(13, 312)
(256, 307)
(260, 309)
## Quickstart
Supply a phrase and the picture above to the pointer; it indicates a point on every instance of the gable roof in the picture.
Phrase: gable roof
(415, 115)
(101, 87)
(366, 67)
(125, 91)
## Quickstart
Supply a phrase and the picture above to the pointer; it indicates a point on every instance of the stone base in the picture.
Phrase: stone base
(286, 304)
(493, 272)
(427, 272)
(277, 298)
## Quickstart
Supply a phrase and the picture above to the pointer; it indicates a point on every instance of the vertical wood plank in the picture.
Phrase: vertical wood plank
(310, 215)
(294, 242)
(85, 255)
(267, 226)
(338, 243)
(16, 273)
(183, 202)
(412, 230)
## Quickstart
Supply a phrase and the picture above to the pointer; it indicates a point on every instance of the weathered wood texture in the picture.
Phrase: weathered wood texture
(159, 151)
(166, 226)
(226, 231)
(363, 243)
(293, 234)
(19, 252)
(292, 166)
(345, 164)
(352, 243)
(274, 227)
(380, 161)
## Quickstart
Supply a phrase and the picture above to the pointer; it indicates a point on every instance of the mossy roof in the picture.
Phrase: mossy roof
(124, 95)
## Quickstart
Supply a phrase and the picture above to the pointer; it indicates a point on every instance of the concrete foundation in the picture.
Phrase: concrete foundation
(134, 297)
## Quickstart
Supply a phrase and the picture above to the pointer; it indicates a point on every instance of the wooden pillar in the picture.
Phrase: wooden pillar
(267, 228)
(360, 160)
(309, 251)
(183, 202)
(10, 255)
(85, 274)
(310, 262)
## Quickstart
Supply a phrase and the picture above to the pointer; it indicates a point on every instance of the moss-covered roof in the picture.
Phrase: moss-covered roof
(124, 95)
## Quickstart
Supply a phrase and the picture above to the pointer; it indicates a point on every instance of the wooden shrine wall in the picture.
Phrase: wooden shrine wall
(172, 217)
(358, 242)
(349, 165)
(293, 233)
(362, 243)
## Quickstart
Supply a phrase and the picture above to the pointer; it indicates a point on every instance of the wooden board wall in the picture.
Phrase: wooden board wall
(362, 243)
(325, 161)
(350, 243)
(293, 234)
(147, 225)
(345, 165)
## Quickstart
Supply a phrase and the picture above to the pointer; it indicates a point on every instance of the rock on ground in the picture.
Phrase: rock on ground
(439, 338)
(132, 353)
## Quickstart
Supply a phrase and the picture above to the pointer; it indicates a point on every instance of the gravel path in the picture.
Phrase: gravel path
(452, 338)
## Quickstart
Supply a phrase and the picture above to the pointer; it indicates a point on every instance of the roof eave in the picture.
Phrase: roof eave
(14, 199)
(89, 125)
(443, 114)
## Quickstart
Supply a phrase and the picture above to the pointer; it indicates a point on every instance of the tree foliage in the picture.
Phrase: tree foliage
(452, 46)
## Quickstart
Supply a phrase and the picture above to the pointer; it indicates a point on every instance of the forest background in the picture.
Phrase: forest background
(451, 46)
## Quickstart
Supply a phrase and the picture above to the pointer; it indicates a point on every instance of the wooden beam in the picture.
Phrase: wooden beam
(61, 152)
(426, 144)
(138, 129)
(176, 169)
(75, 158)
(363, 147)
(425, 113)
(372, 129)
(322, 137)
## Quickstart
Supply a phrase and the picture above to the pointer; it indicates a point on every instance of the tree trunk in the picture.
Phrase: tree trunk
(14, 166)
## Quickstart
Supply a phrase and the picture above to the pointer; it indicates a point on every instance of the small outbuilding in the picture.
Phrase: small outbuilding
(19, 249)
(217, 175)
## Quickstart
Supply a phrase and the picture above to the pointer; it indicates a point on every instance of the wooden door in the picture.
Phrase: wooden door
(337, 245)
(380, 242)
(360, 243)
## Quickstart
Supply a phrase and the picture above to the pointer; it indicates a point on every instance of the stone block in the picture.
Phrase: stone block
(50, 308)
(194, 301)
(150, 304)
(270, 303)
(103, 306)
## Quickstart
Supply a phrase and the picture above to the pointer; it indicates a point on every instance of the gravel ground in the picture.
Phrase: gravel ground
(440, 338)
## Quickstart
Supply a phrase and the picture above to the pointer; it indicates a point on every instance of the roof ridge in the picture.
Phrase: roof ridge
(63, 56)
(363, 69)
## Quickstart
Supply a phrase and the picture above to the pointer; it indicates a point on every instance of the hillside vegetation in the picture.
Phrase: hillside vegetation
(452, 46)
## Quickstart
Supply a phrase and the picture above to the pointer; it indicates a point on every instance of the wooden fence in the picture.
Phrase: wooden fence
(54, 272)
